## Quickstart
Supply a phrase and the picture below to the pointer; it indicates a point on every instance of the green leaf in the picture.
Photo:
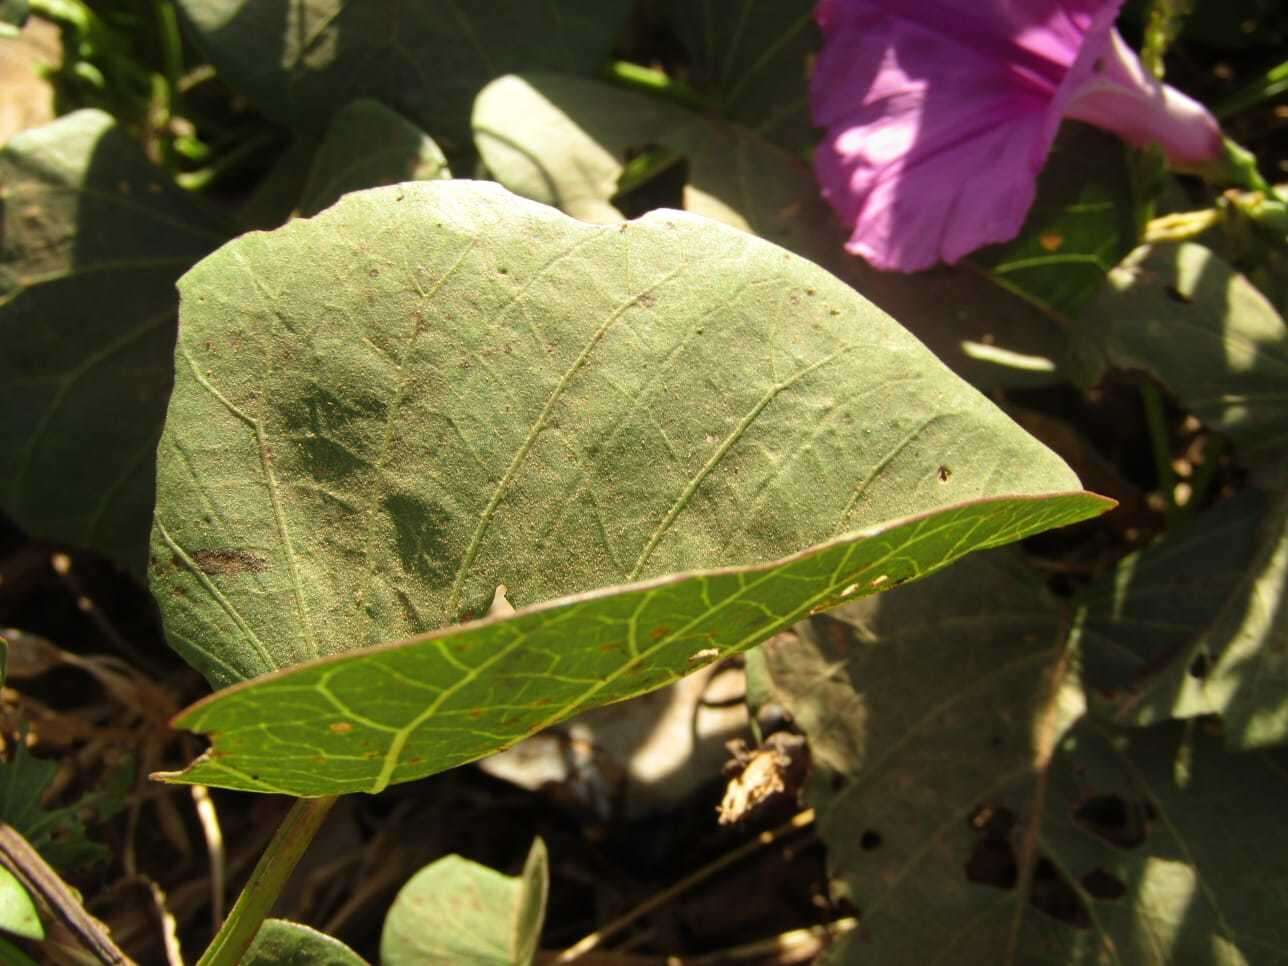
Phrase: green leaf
(368, 145)
(383, 413)
(298, 61)
(282, 943)
(17, 911)
(974, 813)
(57, 833)
(1195, 625)
(93, 241)
(457, 911)
(1081, 225)
(394, 713)
(564, 141)
(752, 60)
(1184, 316)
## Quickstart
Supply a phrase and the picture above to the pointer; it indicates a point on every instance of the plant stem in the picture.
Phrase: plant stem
(654, 82)
(586, 944)
(267, 881)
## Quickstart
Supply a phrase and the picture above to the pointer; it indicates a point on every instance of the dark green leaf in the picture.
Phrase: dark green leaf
(366, 146)
(299, 61)
(752, 61)
(1184, 316)
(457, 911)
(282, 943)
(93, 241)
(1195, 625)
(974, 813)
(1080, 226)
(57, 833)
(564, 141)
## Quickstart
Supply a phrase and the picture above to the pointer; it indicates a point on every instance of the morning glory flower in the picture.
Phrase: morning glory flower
(940, 114)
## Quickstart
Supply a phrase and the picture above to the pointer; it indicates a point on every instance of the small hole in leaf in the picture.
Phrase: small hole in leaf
(1103, 885)
(1050, 893)
(870, 840)
(1200, 666)
(992, 863)
(1176, 295)
(1112, 818)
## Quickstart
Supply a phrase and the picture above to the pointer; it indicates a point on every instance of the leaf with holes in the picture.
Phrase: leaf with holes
(94, 239)
(1195, 624)
(383, 413)
(961, 783)
(563, 141)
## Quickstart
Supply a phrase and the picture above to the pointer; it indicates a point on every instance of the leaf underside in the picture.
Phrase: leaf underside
(382, 413)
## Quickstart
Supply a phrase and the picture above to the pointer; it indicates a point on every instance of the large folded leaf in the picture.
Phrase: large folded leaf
(1186, 317)
(563, 141)
(974, 813)
(93, 241)
(299, 61)
(384, 412)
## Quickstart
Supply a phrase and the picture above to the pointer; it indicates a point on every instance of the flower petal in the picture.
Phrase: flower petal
(940, 115)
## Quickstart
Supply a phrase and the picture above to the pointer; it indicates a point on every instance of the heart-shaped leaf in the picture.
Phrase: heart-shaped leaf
(564, 140)
(457, 911)
(973, 812)
(93, 241)
(383, 413)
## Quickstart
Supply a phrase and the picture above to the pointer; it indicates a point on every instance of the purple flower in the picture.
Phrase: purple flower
(940, 114)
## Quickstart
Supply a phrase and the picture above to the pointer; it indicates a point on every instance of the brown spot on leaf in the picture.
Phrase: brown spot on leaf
(658, 633)
(228, 563)
(340, 727)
